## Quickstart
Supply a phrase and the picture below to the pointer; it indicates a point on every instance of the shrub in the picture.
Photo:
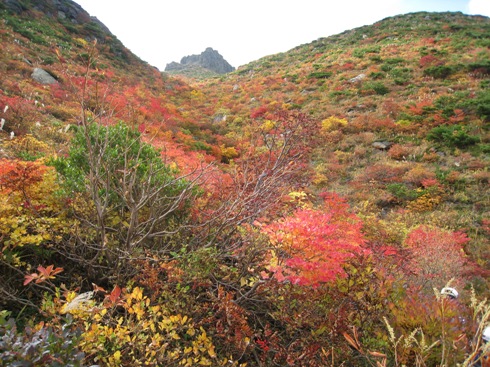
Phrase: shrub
(399, 152)
(317, 243)
(320, 75)
(377, 87)
(402, 192)
(439, 72)
(452, 136)
(482, 67)
(128, 197)
(437, 255)
(377, 75)
(43, 346)
(333, 123)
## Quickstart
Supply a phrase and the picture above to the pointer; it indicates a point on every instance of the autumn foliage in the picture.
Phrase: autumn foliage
(305, 210)
(311, 246)
(436, 255)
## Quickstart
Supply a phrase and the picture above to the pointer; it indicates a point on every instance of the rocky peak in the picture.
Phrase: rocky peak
(209, 59)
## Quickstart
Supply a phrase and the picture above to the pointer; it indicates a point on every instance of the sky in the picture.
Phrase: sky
(162, 31)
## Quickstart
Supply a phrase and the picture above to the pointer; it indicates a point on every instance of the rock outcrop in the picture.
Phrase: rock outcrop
(209, 59)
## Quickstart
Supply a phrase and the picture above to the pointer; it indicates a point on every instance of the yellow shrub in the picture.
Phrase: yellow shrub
(333, 123)
(424, 203)
(128, 330)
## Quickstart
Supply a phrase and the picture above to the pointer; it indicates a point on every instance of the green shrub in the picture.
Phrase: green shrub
(320, 75)
(199, 145)
(377, 87)
(132, 198)
(482, 67)
(482, 103)
(402, 192)
(439, 72)
(452, 136)
(377, 75)
(118, 149)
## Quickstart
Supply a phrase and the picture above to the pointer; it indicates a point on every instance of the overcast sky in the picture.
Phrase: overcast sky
(162, 31)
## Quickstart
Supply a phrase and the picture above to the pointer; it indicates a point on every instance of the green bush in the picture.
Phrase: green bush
(320, 75)
(439, 72)
(452, 136)
(377, 87)
(117, 149)
(129, 197)
(402, 192)
(483, 106)
(377, 75)
(482, 67)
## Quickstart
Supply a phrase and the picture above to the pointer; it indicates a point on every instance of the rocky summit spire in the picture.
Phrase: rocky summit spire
(209, 59)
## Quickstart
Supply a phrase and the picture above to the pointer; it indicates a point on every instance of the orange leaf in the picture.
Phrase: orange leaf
(377, 354)
(114, 296)
(351, 341)
(43, 271)
(30, 277)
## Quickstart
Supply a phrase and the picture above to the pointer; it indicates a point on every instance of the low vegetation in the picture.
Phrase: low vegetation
(305, 210)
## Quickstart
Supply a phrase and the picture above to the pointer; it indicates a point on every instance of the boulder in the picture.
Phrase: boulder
(357, 78)
(42, 76)
(382, 145)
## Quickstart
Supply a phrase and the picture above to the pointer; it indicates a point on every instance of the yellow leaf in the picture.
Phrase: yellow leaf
(187, 350)
(211, 351)
(117, 356)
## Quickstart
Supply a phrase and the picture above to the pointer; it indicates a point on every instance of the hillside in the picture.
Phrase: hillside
(306, 209)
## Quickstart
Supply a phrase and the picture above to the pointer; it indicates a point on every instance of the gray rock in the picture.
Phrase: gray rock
(173, 66)
(382, 145)
(42, 76)
(357, 78)
(220, 117)
(209, 59)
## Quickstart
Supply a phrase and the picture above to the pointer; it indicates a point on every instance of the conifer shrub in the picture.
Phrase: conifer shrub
(320, 75)
(378, 88)
(439, 71)
(452, 136)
